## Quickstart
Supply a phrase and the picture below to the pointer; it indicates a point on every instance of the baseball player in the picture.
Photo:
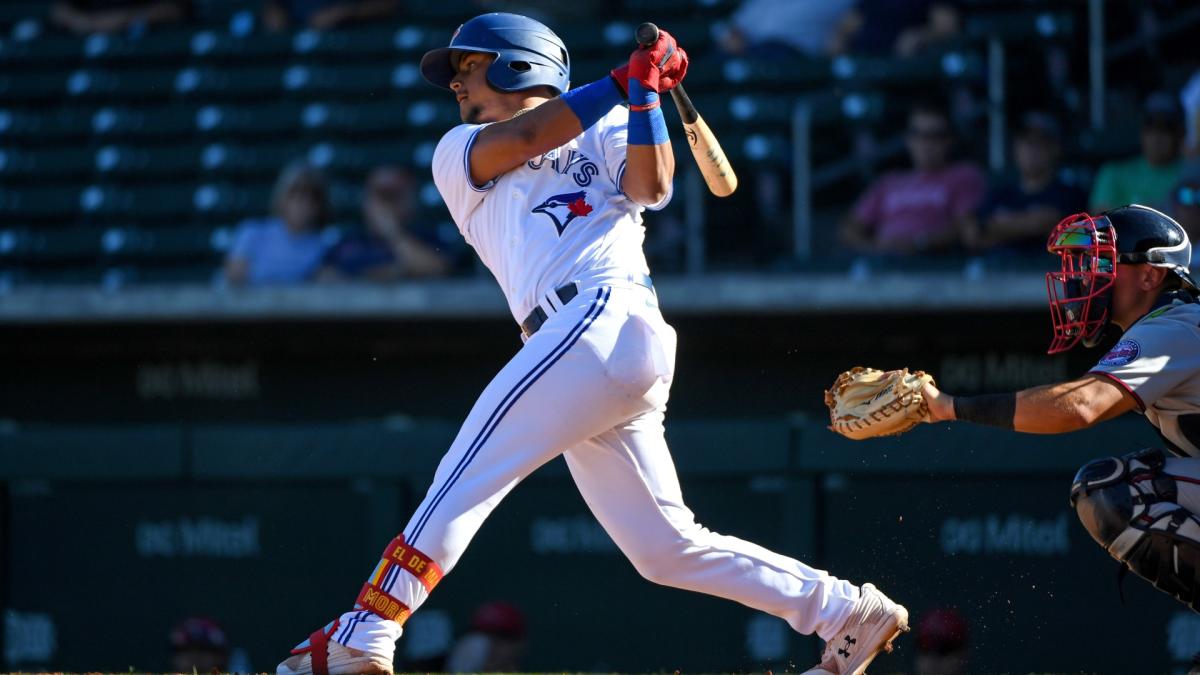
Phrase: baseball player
(548, 184)
(1124, 273)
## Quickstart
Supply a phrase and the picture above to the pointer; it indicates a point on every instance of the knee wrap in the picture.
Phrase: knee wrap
(1129, 507)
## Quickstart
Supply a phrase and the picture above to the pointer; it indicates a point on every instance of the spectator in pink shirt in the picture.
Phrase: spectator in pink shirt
(917, 211)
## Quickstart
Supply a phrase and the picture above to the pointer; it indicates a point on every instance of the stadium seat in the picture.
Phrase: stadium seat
(211, 83)
(372, 80)
(371, 118)
(359, 158)
(910, 72)
(164, 46)
(38, 203)
(218, 45)
(357, 42)
(132, 160)
(166, 201)
(111, 122)
(21, 85)
(251, 120)
(20, 163)
(125, 244)
(29, 126)
(227, 201)
(776, 75)
(261, 160)
(13, 11)
(110, 85)
(48, 245)
(45, 50)
(1020, 25)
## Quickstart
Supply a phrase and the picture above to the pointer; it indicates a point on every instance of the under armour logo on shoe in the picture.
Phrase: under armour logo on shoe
(845, 649)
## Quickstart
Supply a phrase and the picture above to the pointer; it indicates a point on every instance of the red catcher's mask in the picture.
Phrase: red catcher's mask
(1081, 293)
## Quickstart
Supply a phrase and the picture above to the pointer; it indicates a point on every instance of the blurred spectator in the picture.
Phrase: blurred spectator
(1146, 179)
(1018, 213)
(322, 14)
(114, 16)
(286, 248)
(1190, 98)
(903, 27)
(1185, 204)
(388, 249)
(774, 28)
(495, 642)
(916, 211)
(942, 641)
(199, 644)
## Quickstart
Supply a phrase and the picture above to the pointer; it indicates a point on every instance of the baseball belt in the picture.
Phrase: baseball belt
(565, 294)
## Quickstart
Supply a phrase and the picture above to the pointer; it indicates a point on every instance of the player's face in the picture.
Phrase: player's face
(1134, 290)
(478, 102)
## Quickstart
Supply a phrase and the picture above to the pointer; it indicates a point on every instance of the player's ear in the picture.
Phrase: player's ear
(1154, 277)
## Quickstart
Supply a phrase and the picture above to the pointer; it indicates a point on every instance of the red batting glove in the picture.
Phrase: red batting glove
(620, 76)
(660, 66)
(671, 77)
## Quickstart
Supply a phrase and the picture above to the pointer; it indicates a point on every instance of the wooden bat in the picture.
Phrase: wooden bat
(713, 163)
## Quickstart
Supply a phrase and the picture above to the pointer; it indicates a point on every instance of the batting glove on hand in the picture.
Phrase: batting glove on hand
(661, 66)
(620, 76)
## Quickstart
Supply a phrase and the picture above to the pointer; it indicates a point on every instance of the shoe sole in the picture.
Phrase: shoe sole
(881, 639)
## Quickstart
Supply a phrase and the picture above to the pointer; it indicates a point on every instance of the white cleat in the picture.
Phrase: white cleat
(870, 629)
(341, 661)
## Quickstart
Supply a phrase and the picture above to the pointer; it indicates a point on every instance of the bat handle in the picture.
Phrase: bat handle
(646, 34)
(687, 110)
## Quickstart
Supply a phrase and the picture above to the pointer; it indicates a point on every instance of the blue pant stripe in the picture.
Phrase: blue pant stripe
(506, 404)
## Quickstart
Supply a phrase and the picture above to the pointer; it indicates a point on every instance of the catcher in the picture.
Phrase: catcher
(1124, 274)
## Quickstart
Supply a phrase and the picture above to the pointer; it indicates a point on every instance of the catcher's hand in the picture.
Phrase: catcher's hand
(865, 402)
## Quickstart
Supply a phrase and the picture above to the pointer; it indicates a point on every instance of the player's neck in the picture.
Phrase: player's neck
(529, 103)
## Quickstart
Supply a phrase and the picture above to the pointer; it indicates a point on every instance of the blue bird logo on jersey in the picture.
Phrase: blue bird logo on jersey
(564, 208)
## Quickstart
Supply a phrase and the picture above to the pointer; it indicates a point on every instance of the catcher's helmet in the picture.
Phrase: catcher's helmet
(528, 54)
(1091, 247)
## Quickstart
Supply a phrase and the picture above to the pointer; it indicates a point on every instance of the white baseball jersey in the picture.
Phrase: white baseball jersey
(1158, 361)
(558, 218)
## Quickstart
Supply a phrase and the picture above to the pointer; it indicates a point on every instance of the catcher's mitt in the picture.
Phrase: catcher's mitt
(865, 402)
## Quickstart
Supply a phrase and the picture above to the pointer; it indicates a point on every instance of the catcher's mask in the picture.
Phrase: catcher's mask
(1081, 292)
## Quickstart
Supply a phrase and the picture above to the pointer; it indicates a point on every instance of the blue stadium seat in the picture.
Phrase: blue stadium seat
(255, 121)
(258, 159)
(58, 163)
(166, 45)
(45, 50)
(217, 45)
(212, 83)
(108, 85)
(126, 244)
(30, 126)
(48, 245)
(360, 158)
(21, 85)
(111, 122)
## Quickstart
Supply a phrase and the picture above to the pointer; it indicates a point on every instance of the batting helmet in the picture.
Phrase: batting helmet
(1091, 247)
(528, 54)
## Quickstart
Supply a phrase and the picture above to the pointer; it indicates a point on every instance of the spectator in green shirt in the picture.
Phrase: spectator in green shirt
(1147, 179)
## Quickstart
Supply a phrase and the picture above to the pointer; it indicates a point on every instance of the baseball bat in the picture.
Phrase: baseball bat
(706, 150)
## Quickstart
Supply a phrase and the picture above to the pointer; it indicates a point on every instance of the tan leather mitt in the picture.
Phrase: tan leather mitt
(865, 402)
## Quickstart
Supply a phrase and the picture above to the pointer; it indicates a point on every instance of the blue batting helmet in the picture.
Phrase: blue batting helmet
(528, 54)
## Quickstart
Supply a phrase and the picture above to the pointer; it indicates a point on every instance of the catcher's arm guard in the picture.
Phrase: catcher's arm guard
(865, 402)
